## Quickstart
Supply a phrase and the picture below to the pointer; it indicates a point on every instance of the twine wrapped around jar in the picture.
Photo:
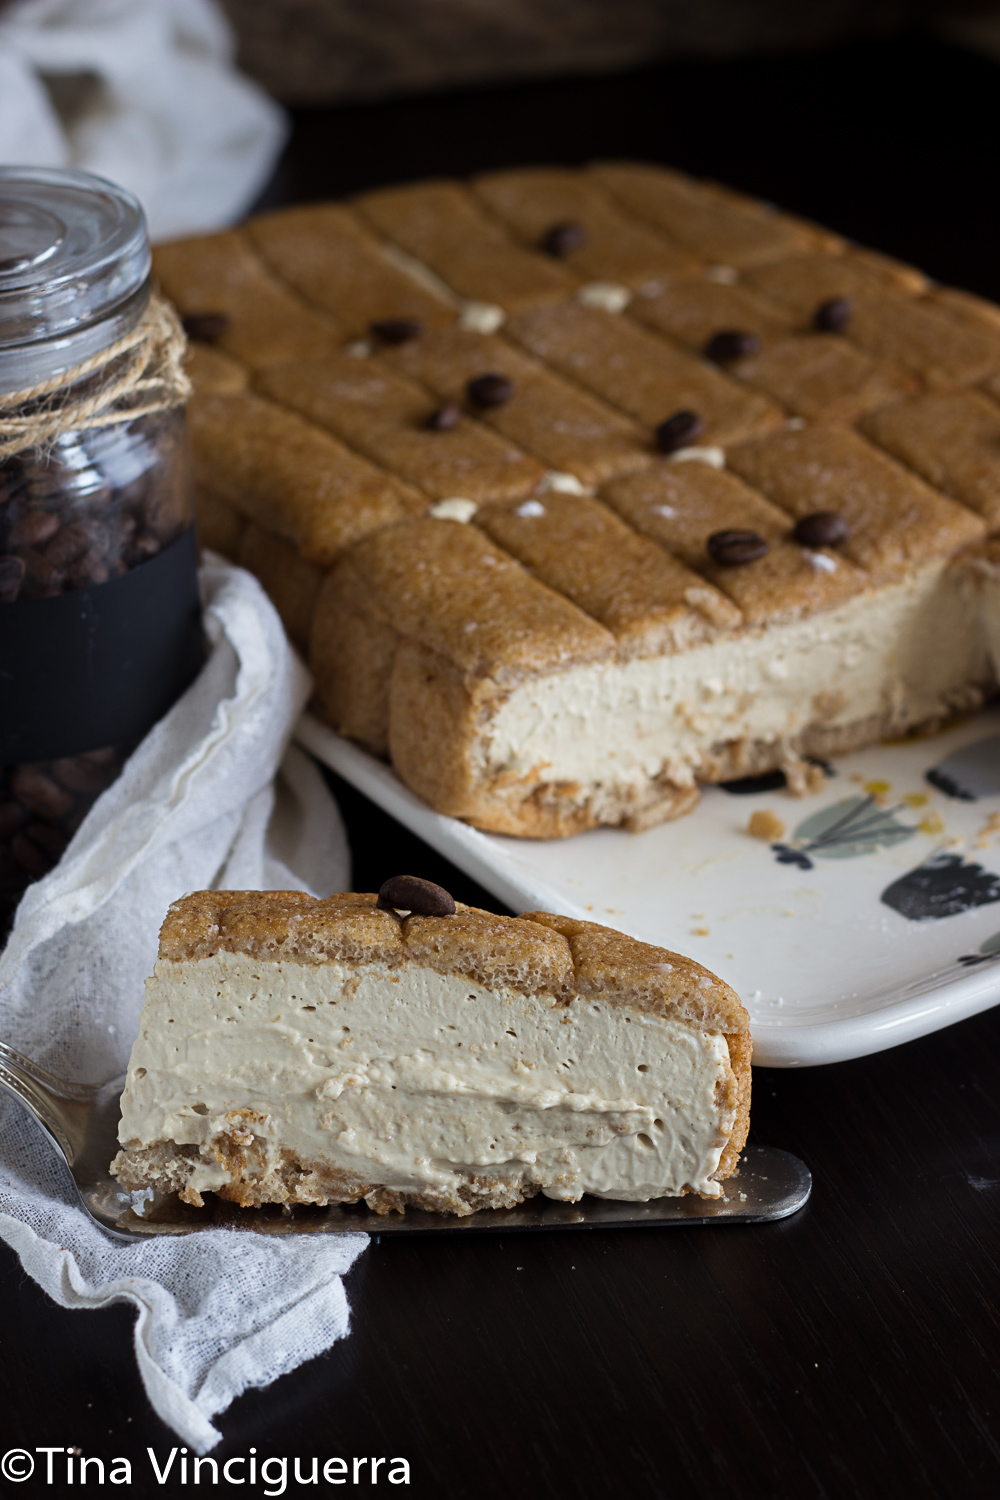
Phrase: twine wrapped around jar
(140, 374)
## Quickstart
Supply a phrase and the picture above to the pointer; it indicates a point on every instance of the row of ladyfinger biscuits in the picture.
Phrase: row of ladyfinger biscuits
(473, 243)
(587, 409)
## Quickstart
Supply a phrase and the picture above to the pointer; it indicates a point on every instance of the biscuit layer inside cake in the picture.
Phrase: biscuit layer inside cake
(323, 1082)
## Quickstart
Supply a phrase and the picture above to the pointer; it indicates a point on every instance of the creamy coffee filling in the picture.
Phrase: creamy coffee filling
(901, 654)
(413, 1080)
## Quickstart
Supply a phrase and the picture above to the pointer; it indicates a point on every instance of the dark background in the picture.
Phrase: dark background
(850, 1351)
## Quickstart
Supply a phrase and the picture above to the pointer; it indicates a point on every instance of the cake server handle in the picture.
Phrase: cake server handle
(63, 1108)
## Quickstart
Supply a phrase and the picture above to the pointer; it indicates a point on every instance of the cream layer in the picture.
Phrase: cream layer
(901, 652)
(409, 1079)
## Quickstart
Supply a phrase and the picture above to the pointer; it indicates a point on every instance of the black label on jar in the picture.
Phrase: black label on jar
(99, 666)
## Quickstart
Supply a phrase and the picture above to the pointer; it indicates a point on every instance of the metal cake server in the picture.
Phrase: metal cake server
(82, 1121)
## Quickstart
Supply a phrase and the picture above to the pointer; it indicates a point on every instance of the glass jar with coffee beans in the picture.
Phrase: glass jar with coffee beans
(99, 616)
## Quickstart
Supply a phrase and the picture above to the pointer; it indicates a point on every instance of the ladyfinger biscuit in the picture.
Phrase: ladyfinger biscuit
(352, 649)
(385, 416)
(816, 235)
(966, 307)
(693, 312)
(640, 373)
(290, 477)
(719, 227)
(568, 214)
(443, 225)
(450, 589)
(802, 283)
(327, 255)
(681, 506)
(896, 521)
(213, 373)
(823, 377)
(221, 273)
(649, 601)
(925, 338)
(290, 582)
(891, 272)
(952, 441)
(975, 313)
(455, 624)
(550, 417)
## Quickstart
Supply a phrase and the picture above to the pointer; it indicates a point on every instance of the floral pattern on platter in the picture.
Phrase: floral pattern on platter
(943, 885)
(854, 826)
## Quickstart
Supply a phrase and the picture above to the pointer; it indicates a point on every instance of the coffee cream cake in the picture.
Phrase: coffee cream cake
(408, 1052)
(579, 488)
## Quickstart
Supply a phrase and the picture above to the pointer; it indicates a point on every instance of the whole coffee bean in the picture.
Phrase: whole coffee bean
(734, 547)
(69, 543)
(833, 315)
(563, 239)
(489, 390)
(409, 893)
(729, 345)
(31, 528)
(12, 817)
(205, 327)
(40, 794)
(679, 431)
(397, 330)
(29, 856)
(12, 571)
(824, 528)
(445, 418)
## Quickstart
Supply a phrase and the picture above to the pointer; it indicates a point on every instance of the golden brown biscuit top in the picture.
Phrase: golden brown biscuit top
(897, 521)
(535, 953)
(347, 446)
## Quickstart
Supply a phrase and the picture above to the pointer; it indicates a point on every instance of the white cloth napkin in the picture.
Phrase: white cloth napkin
(144, 92)
(214, 797)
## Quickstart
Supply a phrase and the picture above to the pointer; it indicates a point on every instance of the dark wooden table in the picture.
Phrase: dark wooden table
(851, 1350)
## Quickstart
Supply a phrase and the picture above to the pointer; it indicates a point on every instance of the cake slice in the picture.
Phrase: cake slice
(410, 1052)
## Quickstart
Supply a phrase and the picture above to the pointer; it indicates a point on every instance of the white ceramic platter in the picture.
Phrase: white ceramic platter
(874, 918)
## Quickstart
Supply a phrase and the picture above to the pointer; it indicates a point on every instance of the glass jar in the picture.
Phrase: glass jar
(99, 614)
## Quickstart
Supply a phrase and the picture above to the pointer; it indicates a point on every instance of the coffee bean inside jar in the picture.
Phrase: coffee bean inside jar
(100, 503)
(99, 619)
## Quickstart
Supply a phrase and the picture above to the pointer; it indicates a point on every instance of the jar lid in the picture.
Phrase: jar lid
(74, 270)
